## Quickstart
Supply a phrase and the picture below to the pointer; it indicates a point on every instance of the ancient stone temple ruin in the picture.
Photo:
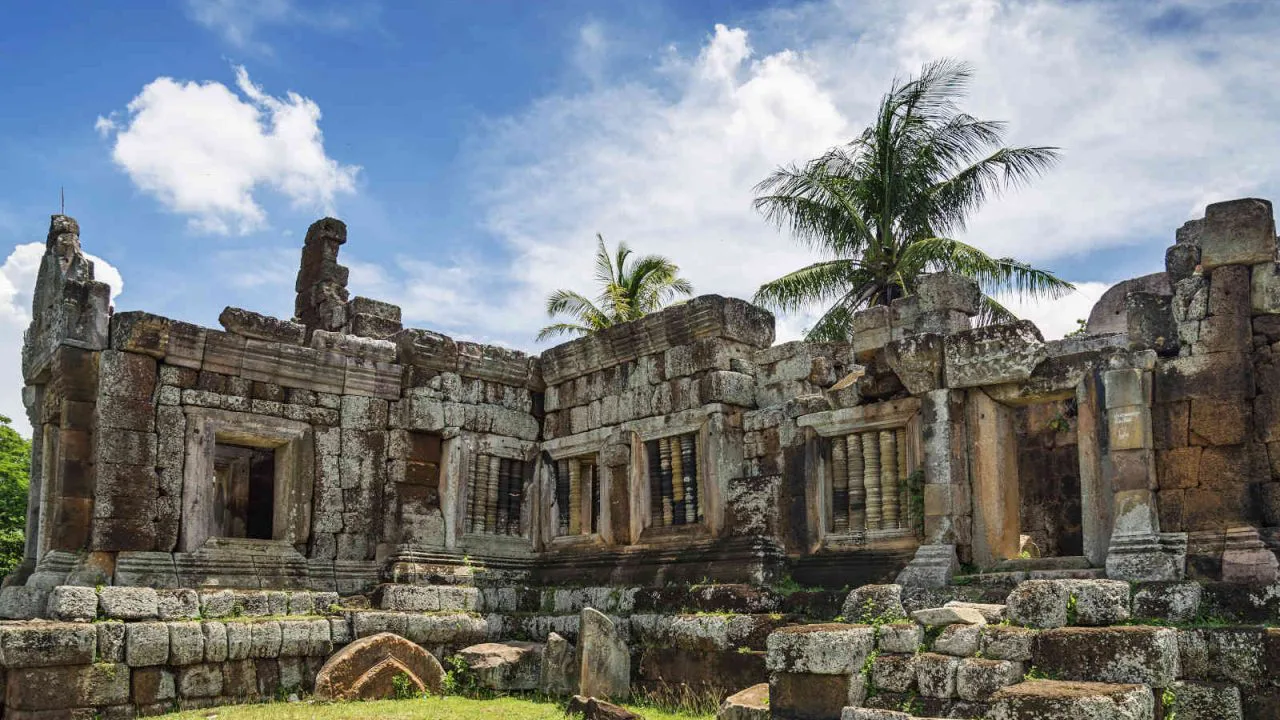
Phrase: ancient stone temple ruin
(215, 511)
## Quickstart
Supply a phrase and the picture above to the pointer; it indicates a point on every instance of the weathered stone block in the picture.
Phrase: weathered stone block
(894, 673)
(1006, 642)
(407, 598)
(1124, 654)
(200, 681)
(874, 604)
(993, 354)
(215, 641)
(47, 644)
(1039, 604)
(239, 640)
(23, 602)
(506, 666)
(153, 685)
(1041, 699)
(186, 643)
(1098, 602)
(146, 643)
(604, 668)
(264, 639)
(1238, 232)
(900, 638)
(1203, 701)
(110, 642)
(128, 603)
(977, 679)
(813, 697)
(958, 640)
(367, 670)
(182, 604)
(63, 688)
(832, 649)
(943, 616)
(936, 675)
(73, 604)
(217, 603)
(254, 325)
(1175, 602)
(918, 361)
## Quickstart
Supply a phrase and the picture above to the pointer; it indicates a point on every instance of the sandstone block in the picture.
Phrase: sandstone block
(1041, 699)
(217, 603)
(993, 354)
(993, 613)
(153, 685)
(146, 643)
(240, 679)
(1175, 602)
(365, 624)
(1099, 602)
(181, 604)
(239, 640)
(62, 688)
(23, 602)
(900, 638)
(47, 644)
(943, 616)
(367, 670)
(200, 681)
(73, 603)
(1124, 654)
(186, 643)
(261, 327)
(111, 642)
(558, 671)
(407, 598)
(264, 639)
(813, 697)
(506, 666)
(1238, 232)
(977, 679)
(874, 604)
(959, 640)
(894, 673)
(936, 675)
(749, 704)
(832, 649)
(604, 668)
(1236, 655)
(128, 603)
(1204, 701)
(1006, 642)
(215, 641)
(459, 599)
(1039, 604)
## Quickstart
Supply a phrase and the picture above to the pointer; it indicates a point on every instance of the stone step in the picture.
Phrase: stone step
(1057, 699)
(1070, 562)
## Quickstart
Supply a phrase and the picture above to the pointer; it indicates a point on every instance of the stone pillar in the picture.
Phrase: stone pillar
(1137, 551)
(993, 462)
(948, 520)
(1096, 493)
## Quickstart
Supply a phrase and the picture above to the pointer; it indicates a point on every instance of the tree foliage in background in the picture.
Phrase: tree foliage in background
(629, 288)
(880, 210)
(15, 477)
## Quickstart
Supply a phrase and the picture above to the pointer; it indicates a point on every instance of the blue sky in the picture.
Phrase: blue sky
(475, 148)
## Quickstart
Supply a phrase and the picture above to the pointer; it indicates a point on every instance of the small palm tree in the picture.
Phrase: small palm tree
(881, 209)
(630, 288)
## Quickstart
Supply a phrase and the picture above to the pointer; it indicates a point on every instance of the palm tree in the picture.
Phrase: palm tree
(630, 288)
(881, 209)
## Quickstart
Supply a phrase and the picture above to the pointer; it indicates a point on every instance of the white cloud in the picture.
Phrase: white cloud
(206, 151)
(1153, 125)
(1056, 318)
(240, 21)
(17, 283)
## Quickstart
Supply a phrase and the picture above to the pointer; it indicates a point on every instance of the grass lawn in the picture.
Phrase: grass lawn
(452, 707)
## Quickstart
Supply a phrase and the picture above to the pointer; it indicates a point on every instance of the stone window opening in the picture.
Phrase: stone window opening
(496, 499)
(577, 496)
(868, 482)
(244, 491)
(673, 474)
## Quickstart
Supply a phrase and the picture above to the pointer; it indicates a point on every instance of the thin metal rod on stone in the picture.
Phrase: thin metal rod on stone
(888, 480)
(839, 487)
(871, 458)
(857, 482)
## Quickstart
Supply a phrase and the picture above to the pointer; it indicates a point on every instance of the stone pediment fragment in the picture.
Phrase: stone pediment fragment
(994, 354)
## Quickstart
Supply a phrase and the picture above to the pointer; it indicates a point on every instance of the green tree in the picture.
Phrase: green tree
(629, 288)
(15, 477)
(880, 210)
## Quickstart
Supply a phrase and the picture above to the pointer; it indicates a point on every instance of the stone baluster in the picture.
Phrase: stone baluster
(857, 483)
(871, 472)
(888, 480)
(575, 497)
(839, 487)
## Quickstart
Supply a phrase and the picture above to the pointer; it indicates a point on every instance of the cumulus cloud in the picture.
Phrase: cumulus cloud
(1159, 107)
(207, 151)
(17, 283)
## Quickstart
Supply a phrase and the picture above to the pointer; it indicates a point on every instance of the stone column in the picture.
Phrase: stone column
(1137, 552)
(947, 519)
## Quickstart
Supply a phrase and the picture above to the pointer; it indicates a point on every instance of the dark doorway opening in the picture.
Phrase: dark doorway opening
(244, 493)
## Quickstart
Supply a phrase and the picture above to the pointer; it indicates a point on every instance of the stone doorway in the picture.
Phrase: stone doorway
(244, 491)
(1049, 510)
